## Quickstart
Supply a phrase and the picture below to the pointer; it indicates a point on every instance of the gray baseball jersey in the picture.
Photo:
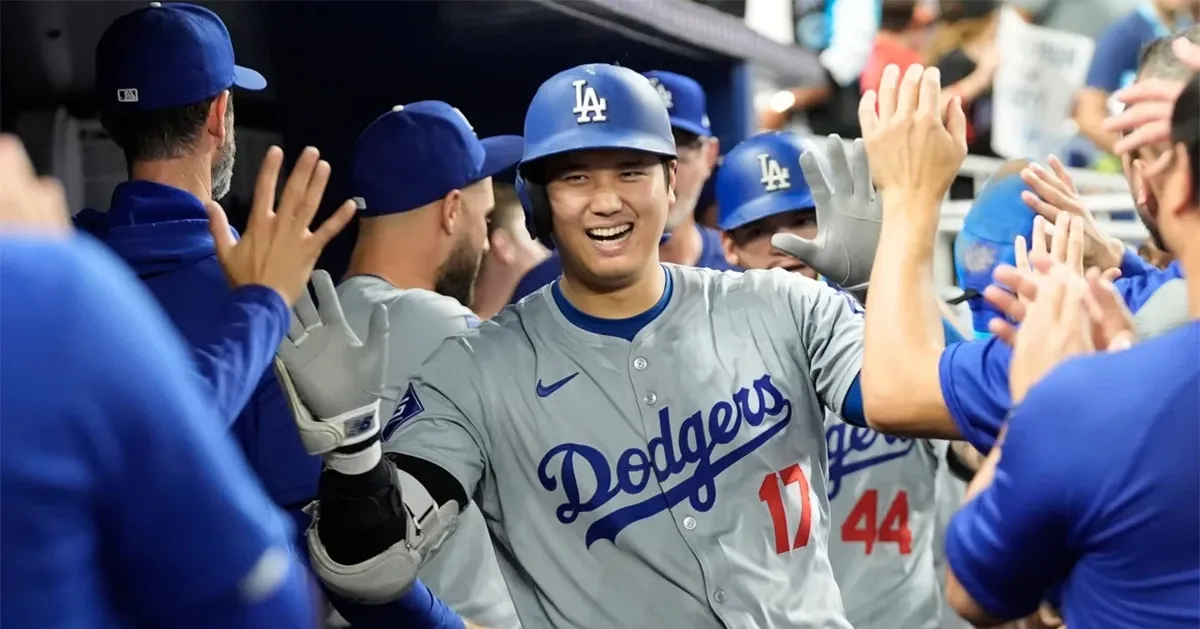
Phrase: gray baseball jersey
(674, 480)
(883, 503)
(465, 574)
(1164, 311)
(951, 491)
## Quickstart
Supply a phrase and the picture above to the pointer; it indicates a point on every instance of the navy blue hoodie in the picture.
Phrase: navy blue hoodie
(163, 233)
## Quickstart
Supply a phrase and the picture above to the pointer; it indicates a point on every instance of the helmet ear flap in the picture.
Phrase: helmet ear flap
(537, 210)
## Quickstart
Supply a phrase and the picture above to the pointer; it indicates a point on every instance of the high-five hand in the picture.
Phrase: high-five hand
(278, 250)
(1054, 192)
(849, 215)
(28, 202)
(1056, 327)
(915, 146)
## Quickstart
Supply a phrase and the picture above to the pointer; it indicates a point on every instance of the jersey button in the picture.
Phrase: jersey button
(689, 523)
(639, 363)
(650, 398)
(719, 596)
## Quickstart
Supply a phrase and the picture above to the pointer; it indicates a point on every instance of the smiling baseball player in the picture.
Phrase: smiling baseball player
(882, 489)
(645, 441)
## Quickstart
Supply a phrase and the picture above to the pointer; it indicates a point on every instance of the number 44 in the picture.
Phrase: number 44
(862, 525)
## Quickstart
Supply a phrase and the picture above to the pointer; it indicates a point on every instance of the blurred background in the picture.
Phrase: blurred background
(1031, 71)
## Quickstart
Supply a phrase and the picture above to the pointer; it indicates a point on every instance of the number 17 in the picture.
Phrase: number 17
(770, 493)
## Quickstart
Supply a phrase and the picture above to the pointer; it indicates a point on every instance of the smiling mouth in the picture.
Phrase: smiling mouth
(616, 233)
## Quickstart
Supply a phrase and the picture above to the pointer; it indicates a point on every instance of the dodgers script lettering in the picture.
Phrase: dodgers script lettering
(844, 440)
(691, 453)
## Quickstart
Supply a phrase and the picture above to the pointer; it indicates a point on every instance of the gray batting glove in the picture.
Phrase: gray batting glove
(332, 380)
(849, 216)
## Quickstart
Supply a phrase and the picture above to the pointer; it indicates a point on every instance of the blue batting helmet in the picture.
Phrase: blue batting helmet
(594, 106)
(761, 177)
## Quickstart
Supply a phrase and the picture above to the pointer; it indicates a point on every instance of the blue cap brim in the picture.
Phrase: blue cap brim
(502, 152)
(248, 79)
(690, 126)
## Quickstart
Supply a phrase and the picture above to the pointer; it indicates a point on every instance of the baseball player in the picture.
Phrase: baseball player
(684, 241)
(882, 489)
(423, 182)
(124, 503)
(610, 425)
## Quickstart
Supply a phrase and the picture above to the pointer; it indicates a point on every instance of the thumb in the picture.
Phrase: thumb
(956, 121)
(218, 225)
(802, 249)
(375, 351)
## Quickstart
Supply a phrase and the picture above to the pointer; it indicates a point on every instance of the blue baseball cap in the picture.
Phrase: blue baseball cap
(416, 154)
(985, 241)
(685, 101)
(167, 55)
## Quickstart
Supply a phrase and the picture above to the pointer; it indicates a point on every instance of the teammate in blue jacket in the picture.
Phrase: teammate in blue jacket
(124, 503)
(163, 76)
(685, 241)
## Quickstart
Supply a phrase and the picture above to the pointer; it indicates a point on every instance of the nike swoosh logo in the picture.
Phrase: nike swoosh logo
(547, 391)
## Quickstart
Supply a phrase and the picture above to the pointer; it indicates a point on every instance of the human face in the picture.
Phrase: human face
(1144, 201)
(456, 277)
(609, 208)
(749, 246)
(1171, 181)
(696, 158)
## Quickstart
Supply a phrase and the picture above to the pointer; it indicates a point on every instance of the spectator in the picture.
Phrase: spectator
(1082, 17)
(1115, 62)
(963, 47)
(903, 33)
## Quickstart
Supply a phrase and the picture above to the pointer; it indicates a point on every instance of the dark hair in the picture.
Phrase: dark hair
(161, 133)
(1158, 61)
(1185, 127)
(896, 15)
(685, 138)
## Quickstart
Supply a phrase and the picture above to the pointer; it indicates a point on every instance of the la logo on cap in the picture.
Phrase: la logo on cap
(668, 99)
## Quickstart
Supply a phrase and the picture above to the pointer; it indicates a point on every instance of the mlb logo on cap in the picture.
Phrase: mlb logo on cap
(685, 101)
(167, 55)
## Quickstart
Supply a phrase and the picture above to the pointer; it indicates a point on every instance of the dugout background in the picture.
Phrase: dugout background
(332, 67)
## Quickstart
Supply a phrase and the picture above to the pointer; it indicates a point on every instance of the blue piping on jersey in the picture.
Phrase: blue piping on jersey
(620, 328)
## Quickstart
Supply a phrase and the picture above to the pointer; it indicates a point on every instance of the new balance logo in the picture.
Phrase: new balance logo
(774, 176)
(547, 391)
(589, 107)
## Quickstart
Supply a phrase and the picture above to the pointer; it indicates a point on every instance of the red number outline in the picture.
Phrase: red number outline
(771, 493)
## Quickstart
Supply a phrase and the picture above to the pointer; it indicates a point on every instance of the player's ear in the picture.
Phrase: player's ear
(670, 169)
(713, 149)
(450, 211)
(730, 251)
(214, 122)
(502, 247)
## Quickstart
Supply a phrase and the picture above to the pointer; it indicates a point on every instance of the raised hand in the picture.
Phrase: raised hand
(1054, 192)
(278, 250)
(330, 374)
(28, 202)
(1057, 326)
(915, 145)
(849, 217)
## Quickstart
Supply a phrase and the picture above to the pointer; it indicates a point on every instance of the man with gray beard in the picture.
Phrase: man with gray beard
(422, 180)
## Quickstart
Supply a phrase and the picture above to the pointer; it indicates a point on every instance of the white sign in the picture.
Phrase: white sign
(1040, 72)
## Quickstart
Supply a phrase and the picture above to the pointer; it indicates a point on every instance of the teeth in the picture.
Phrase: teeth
(609, 232)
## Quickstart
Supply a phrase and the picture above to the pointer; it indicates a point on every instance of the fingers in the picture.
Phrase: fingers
(1148, 90)
(1064, 176)
(297, 185)
(929, 93)
(956, 122)
(868, 117)
(1187, 52)
(1061, 233)
(842, 182)
(1037, 240)
(909, 91)
(296, 331)
(1003, 330)
(312, 196)
(334, 224)
(1019, 281)
(817, 184)
(802, 249)
(1021, 250)
(378, 327)
(1111, 275)
(263, 207)
(218, 225)
(306, 310)
(888, 84)
(1035, 203)
(1005, 302)
(1147, 134)
(1050, 181)
(860, 170)
(328, 306)
(1075, 243)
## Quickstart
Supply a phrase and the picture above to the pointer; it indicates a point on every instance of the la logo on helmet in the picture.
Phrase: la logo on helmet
(589, 107)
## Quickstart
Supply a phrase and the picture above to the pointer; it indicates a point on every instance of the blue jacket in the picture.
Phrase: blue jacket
(163, 233)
